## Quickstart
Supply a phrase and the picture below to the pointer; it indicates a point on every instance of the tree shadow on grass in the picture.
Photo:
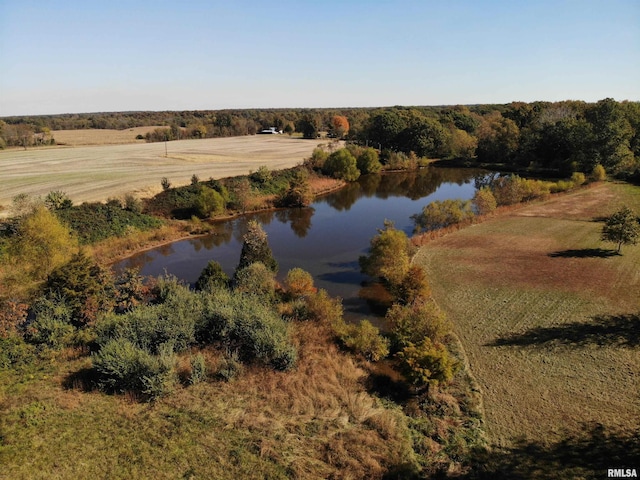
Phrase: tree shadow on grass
(585, 253)
(586, 454)
(604, 330)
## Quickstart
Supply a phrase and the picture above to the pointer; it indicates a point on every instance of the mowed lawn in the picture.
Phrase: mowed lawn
(546, 313)
(96, 173)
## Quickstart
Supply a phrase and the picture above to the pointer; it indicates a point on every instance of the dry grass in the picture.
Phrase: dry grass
(314, 422)
(76, 138)
(95, 173)
(541, 307)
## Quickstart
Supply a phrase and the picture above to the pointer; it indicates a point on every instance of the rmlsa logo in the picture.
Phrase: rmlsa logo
(622, 473)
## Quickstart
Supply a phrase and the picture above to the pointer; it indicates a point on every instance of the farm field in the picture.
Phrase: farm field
(95, 173)
(548, 317)
(92, 136)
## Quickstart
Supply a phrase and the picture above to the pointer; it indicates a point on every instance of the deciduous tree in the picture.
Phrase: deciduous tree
(621, 228)
(389, 255)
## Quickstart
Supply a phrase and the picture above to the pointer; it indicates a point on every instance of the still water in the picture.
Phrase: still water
(325, 239)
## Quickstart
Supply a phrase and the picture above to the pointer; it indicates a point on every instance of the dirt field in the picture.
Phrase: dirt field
(547, 314)
(95, 173)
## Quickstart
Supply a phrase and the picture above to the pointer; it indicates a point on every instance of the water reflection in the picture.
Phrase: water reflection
(326, 239)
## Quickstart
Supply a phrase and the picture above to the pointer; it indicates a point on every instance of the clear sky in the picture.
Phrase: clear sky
(115, 55)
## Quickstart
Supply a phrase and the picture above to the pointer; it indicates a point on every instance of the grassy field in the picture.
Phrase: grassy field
(315, 422)
(548, 317)
(95, 173)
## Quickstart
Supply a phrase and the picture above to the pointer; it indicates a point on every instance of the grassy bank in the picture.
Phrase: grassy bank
(547, 315)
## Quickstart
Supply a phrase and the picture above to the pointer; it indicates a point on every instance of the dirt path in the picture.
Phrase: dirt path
(95, 173)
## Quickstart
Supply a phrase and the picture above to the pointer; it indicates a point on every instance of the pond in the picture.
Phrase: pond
(325, 239)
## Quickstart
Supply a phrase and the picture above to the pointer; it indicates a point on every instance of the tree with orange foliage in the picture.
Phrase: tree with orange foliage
(339, 126)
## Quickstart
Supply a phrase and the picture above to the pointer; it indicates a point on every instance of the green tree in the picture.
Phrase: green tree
(621, 228)
(341, 164)
(256, 248)
(212, 277)
(209, 202)
(462, 144)
(389, 255)
(498, 139)
(368, 161)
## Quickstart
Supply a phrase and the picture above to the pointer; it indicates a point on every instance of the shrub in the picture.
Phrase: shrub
(150, 326)
(440, 214)
(341, 164)
(250, 326)
(262, 176)
(198, 369)
(93, 222)
(578, 178)
(256, 279)
(86, 287)
(484, 201)
(366, 340)
(561, 186)
(508, 190)
(427, 363)
(51, 324)
(318, 157)
(299, 283)
(323, 308)
(195, 179)
(209, 203)
(14, 352)
(57, 200)
(299, 192)
(122, 366)
(598, 174)
(411, 323)
(229, 367)
(414, 285)
(212, 277)
(132, 204)
(165, 183)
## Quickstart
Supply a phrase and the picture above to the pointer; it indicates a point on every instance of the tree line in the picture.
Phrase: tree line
(562, 137)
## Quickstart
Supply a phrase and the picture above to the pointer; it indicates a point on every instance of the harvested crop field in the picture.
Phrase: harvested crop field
(76, 138)
(95, 173)
(548, 315)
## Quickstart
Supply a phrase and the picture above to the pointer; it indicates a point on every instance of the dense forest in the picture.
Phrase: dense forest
(561, 137)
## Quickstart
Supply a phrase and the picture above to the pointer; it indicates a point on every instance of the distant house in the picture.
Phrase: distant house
(271, 131)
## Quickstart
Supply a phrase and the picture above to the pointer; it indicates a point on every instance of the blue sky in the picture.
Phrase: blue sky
(83, 56)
